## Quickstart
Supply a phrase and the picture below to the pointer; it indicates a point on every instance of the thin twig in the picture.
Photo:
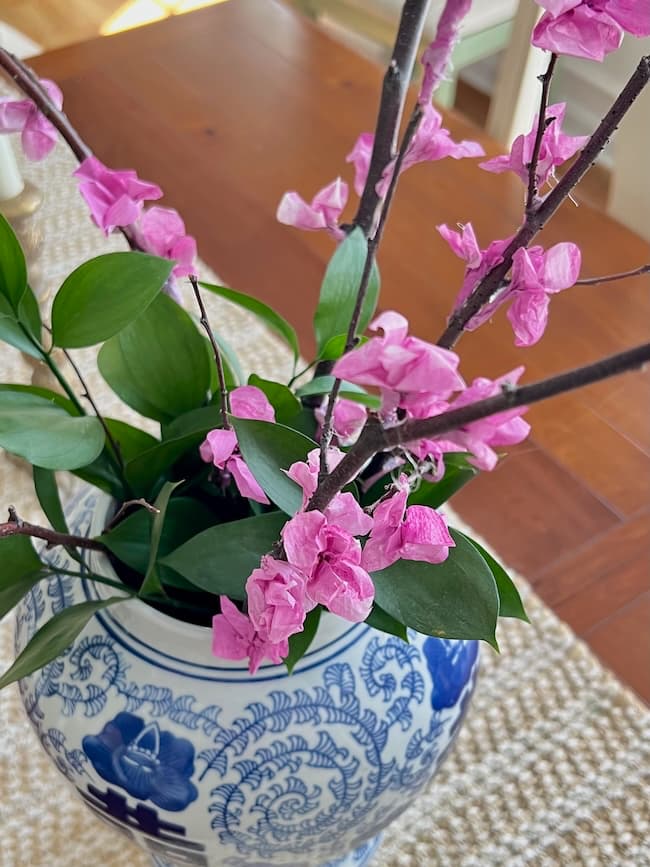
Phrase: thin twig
(86, 393)
(375, 438)
(225, 408)
(541, 128)
(393, 96)
(127, 504)
(15, 526)
(372, 245)
(536, 220)
(611, 278)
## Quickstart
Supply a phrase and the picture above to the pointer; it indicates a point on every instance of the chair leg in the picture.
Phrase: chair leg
(445, 95)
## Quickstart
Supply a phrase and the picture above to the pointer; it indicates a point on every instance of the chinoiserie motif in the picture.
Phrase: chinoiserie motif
(201, 763)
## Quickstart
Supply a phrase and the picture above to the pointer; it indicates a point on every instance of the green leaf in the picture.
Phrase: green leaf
(339, 290)
(185, 433)
(102, 474)
(457, 473)
(510, 604)
(454, 599)
(152, 585)
(269, 450)
(158, 364)
(335, 347)
(131, 440)
(382, 620)
(54, 637)
(221, 558)
(350, 391)
(51, 396)
(13, 270)
(47, 492)
(21, 569)
(38, 430)
(104, 295)
(300, 642)
(15, 333)
(282, 399)
(262, 311)
(130, 540)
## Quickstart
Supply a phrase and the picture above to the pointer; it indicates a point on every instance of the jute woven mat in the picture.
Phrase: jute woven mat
(552, 766)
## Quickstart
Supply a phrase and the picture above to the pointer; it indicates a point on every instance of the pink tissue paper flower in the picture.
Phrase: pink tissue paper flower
(161, 231)
(235, 637)
(413, 533)
(323, 212)
(400, 364)
(276, 599)
(482, 436)
(219, 446)
(431, 142)
(436, 59)
(305, 473)
(330, 557)
(348, 419)
(536, 274)
(555, 149)
(37, 135)
(589, 28)
(115, 197)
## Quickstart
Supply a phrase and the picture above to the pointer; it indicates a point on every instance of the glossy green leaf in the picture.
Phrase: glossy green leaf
(262, 311)
(184, 434)
(47, 492)
(335, 347)
(382, 620)
(158, 364)
(54, 637)
(102, 474)
(350, 391)
(152, 585)
(104, 295)
(269, 450)
(54, 397)
(130, 540)
(454, 599)
(340, 287)
(13, 270)
(38, 430)
(232, 370)
(510, 604)
(221, 558)
(282, 399)
(21, 569)
(132, 441)
(15, 333)
(300, 642)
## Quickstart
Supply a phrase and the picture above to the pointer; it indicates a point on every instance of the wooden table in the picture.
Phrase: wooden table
(229, 107)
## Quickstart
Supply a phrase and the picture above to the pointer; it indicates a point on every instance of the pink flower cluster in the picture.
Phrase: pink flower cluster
(556, 148)
(325, 565)
(589, 28)
(37, 135)
(220, 445)
(420, 380)
(535, 276)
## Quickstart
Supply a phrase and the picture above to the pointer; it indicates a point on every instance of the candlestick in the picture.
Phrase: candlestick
(11, 183)
(22, 213)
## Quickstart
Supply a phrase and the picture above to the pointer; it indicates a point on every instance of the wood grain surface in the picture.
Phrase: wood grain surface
(230, 106)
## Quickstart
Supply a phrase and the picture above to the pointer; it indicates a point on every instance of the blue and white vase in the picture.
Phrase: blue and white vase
(201, 763)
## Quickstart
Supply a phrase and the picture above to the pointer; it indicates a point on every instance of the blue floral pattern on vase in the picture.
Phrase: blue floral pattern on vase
(150, 764)
(252, 772)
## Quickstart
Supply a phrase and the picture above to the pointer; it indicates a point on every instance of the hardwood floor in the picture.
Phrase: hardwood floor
(571, 508)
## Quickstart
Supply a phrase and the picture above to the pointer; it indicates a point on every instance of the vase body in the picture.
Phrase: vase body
(201, 763)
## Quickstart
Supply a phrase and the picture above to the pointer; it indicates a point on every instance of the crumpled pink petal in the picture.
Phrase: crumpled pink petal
(218, 446)
(234, 637)
(436, 59)
(305, 473)
(246, 483)
(276, 600)
(323, 212)
(161, 231)
(360, 157)
(249, 401)
(38, 135)
(115, 198)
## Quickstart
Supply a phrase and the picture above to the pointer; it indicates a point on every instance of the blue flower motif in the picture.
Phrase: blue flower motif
(150, 764)
(451, 664)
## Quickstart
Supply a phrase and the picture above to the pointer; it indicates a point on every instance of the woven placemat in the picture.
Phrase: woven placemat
(552, 766)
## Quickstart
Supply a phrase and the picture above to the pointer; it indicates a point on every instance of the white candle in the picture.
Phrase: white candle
(11, 183)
